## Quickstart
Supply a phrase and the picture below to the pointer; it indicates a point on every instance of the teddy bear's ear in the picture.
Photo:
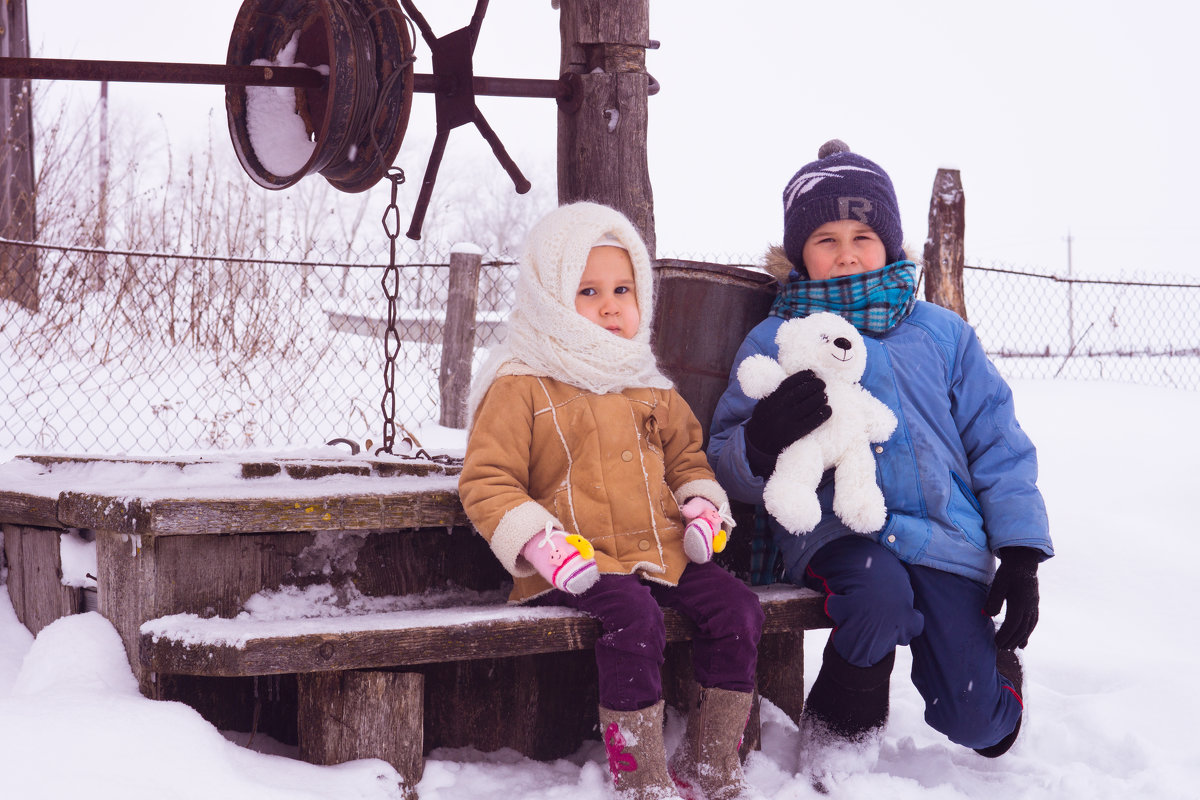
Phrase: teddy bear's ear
(760, 375)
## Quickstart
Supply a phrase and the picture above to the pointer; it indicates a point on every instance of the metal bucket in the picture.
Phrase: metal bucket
(702, 313)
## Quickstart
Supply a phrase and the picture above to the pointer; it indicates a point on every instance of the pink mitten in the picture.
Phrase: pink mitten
(567, 561)
(703, 535)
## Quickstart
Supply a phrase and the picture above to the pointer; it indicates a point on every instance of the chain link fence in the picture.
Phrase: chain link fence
(153, 353)
(150, 353)
(1143, 331)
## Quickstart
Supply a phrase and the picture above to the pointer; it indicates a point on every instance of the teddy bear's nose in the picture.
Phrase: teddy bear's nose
(842, 343)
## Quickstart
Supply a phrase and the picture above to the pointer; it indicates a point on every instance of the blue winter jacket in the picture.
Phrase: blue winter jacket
(958, 475)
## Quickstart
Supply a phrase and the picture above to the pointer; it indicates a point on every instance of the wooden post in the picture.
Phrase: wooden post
(458, 337)
(35, 576)
(18, 267)
(944, 247)
(602, 130)
(344, 716)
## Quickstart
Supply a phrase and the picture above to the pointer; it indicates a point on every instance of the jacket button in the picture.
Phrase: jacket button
(626, 456)
(643, 545)
(892, 538)
(878, 448)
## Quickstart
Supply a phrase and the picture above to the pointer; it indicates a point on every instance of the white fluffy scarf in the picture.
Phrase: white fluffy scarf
(547, 336)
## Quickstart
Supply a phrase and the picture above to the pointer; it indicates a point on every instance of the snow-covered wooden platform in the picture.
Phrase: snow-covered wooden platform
(340, 603)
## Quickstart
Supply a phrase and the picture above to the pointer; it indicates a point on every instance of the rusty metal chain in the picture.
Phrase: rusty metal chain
(391, 337)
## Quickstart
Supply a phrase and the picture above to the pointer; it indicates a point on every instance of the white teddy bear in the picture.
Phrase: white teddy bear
(834, 351)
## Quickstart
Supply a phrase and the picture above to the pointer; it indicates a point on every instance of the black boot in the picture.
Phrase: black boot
(850, 702)
(843, 717)
(1009, 666)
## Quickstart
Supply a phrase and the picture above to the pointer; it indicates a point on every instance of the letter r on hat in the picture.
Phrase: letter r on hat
(855, 208)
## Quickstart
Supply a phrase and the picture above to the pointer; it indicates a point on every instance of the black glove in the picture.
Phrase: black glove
(795, 409)
(1016, 584)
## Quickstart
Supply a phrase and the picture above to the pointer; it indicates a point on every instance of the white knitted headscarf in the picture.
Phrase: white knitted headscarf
(547, 336)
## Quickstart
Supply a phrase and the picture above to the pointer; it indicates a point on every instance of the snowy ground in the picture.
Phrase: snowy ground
(1112, 706)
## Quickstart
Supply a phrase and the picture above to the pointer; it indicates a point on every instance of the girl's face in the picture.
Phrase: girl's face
(841, 248)
(606, 293)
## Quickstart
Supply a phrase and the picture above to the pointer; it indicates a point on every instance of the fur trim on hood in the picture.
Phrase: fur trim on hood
(777, 264)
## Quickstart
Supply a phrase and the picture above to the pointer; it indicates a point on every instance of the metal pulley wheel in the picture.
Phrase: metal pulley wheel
(349, 130)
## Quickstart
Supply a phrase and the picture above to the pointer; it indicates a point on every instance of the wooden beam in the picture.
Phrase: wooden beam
(19, 276)
(602, 131)
(534, 631)
(944, 248)
(458, 338)
(345, 716)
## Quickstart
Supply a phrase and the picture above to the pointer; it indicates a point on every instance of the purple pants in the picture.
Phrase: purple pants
(629, 655)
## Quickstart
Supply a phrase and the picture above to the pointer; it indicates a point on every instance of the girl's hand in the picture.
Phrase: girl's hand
(704, 535)
(695, 507)
(566, 561)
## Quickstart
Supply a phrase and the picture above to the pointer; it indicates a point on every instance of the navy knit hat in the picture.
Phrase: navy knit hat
(840, 185)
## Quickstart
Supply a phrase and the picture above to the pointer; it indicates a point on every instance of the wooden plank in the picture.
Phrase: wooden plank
(503, 638)
(124, 592)
(218, 515)
(344, 716)
(13, 542)
(35, 576)
(781, 672)
(21, 508)
(542, 706)
(458, 340)
(298, 468)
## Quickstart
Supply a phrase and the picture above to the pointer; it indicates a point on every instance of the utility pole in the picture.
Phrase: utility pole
(18, 266)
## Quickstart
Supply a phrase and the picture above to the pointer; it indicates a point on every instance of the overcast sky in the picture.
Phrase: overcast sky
(1069, 116)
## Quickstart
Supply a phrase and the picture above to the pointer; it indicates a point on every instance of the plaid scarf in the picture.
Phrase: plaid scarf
(873, 302)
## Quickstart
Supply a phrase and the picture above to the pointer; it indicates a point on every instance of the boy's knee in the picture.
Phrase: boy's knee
(872, 623)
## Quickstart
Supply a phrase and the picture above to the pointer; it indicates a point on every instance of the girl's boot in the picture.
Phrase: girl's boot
(637, 757)
(706, 765)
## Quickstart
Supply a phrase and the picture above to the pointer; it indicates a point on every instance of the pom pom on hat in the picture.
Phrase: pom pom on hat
(840, 185)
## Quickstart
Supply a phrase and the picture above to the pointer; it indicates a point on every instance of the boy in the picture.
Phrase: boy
(958, 476)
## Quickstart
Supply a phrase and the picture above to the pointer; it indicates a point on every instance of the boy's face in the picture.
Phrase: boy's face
(844, 247)
(606, 293)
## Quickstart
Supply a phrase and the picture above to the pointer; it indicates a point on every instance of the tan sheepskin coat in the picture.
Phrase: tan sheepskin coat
(613, 468)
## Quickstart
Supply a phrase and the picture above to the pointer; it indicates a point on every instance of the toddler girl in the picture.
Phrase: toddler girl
(583, 470)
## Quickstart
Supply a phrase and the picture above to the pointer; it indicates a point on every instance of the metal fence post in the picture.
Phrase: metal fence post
(458, 337)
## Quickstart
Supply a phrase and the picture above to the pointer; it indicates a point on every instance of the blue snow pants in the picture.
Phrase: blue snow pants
(877, 601)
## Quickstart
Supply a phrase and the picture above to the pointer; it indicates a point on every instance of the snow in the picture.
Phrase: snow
(277, 132)
(319, 610)
(78, 558)
(1111, 704)
(216, 475)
